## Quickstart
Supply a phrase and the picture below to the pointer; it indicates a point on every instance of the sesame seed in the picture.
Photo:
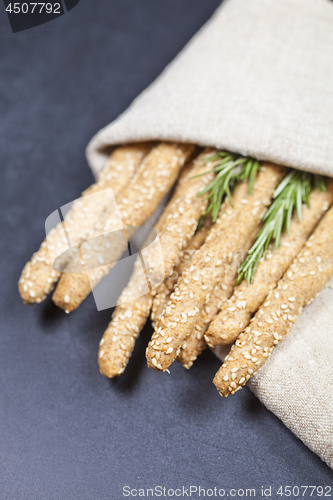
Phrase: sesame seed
(32, 293)
(66, 299)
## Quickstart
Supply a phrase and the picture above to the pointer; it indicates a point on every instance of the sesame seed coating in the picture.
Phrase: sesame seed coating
(226, 327)
(113, 357)
(82, 216)
(186, 210)
(263, 334)
(142, 195)
(196, 341)
(128, 319)
(167, 287)
(237, 226)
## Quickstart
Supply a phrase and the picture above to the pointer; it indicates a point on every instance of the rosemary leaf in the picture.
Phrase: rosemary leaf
(292, 192)
(230, 169)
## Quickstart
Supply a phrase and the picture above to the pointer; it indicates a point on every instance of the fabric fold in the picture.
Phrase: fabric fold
(256, 79)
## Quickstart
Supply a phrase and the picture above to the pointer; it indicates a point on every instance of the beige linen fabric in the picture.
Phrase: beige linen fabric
(296, 383)
(258, 79)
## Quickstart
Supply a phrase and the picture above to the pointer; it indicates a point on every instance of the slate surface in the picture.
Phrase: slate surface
(65, 431)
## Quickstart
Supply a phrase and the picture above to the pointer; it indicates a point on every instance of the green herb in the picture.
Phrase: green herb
(230, 169)
(292, 192)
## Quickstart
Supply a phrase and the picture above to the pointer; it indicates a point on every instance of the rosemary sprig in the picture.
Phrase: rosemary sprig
(291, 193)
(230, 169)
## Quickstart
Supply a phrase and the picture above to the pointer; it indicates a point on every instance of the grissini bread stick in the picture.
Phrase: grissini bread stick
(166, 288)
(195, 342)
(128, 319)
(139, 199)
(208, 264)
(237, 312)
(305, 278)
(117, 343)
(120, 167)
(206, 233)
(182, 221)
(130, 316)
(38, 276)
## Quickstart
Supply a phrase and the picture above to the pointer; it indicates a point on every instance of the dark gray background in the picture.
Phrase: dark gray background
(66, 432)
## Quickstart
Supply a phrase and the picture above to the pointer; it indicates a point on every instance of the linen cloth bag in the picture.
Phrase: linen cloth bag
(257, 79)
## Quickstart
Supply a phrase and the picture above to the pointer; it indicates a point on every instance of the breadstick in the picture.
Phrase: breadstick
(236, 313)
(139, 199)
(38, 276)
(305, 278)
(208, 265)
(195, 342)
(166, 288)
(130, 316)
